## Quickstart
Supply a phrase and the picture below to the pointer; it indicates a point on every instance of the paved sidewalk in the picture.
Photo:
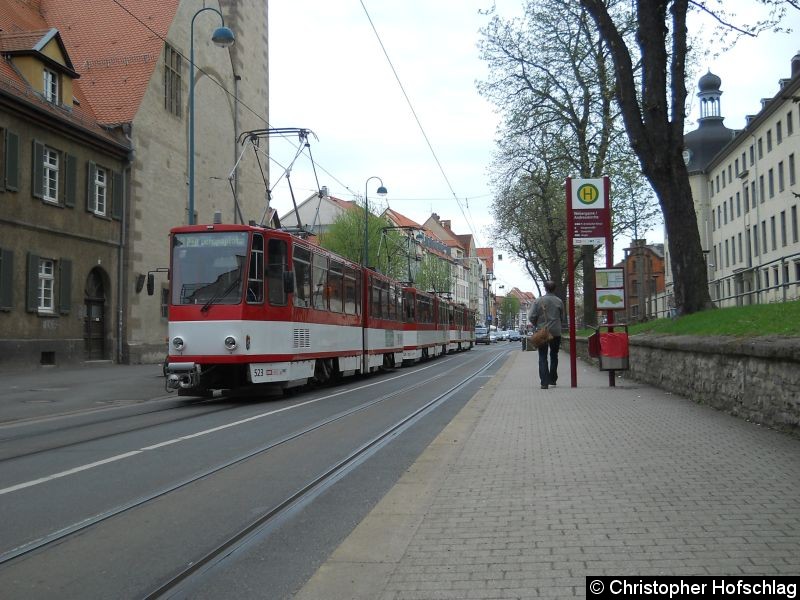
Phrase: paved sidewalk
(528, 491)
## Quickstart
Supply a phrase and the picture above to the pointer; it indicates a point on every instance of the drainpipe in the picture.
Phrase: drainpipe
(121, 273)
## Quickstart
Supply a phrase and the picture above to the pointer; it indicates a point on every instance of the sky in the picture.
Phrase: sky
(329, 74)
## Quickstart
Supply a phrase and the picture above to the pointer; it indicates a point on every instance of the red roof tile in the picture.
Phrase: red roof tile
(115, 46)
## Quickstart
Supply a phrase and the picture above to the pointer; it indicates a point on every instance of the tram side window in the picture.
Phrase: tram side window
(391, 303)
(335, 284)
(375, 298)
(408, 307)
(320, 282)
(255, 275)
(398, 304)
(302, 277)
(424, 310)
(352, 290)
(277, 265)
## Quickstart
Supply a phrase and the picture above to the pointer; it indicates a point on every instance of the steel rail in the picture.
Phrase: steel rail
(253, 532)
(80, 526)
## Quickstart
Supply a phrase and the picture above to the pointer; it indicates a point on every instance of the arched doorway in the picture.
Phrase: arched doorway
(95, 325)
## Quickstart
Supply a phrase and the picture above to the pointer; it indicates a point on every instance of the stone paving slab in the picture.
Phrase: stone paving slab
(528, 491)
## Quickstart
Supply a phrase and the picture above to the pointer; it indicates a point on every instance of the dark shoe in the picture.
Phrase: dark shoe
(544, 386)
(553, 383)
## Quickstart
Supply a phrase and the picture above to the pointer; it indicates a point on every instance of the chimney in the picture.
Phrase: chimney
(446, 223)
(796, 65)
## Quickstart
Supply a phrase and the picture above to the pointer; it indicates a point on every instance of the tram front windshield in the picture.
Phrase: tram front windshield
(208, 267)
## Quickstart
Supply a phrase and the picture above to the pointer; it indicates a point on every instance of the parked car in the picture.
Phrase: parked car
(503, 335)
(493, 337)
(514, 336)
(482, 335)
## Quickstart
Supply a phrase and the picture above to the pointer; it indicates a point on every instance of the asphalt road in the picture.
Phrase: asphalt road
(192, 472)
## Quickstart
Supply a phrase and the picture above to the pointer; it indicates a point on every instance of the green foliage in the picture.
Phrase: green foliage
(387, 252)
(510, 309)
(434, 275)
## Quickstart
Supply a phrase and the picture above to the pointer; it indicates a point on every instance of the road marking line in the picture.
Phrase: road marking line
(118, 457)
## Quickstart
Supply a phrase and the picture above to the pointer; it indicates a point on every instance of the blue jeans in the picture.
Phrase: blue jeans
(549, 375)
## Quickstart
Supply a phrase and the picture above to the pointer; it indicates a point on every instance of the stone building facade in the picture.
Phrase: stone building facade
(125, 89)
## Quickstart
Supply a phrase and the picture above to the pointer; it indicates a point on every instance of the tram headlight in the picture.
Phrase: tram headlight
(178, 343)
(230, 342)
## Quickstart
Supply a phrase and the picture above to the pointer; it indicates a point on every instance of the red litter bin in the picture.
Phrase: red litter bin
(614, 350)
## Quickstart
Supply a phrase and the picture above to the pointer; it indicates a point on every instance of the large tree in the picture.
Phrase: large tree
(653, 110)
(552, 80)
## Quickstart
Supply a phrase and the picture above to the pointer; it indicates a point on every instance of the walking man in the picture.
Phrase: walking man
(548, 311)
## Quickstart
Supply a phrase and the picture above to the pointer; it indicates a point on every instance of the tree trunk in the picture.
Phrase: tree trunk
(687, 261)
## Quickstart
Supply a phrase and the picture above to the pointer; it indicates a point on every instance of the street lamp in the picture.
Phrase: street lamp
(381, 191)
(224, 38)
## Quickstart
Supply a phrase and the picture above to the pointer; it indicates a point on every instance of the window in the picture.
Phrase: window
(755, 240)
(794, 224)
(741, 254)
(769, 141)
(727, 254)
(783, 228)
(6, 279)
(738, 205)
(50, 89)
(781, 179)
(779, 132)
(352, 291)
(760, 148)
(47, 277)
(302, 277)
(173, 65)
(320, 282)
(773, 233)
(752, 155)
(50, 181)
(761, 188)
(336, 286)
(771, 176)
(725, 213)
(277, 266)
(100, 191)
(746, 199)
(46, 292)
(789, 123)
(255, 274)
(763, 237)
(791, 170)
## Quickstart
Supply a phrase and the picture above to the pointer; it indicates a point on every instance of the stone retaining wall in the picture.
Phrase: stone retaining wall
(757, 379)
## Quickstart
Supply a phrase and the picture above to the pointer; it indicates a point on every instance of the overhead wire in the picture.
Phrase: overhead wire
(416, 118)
(266, 121)
(219, 84)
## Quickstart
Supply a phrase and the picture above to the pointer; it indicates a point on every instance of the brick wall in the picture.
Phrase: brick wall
(755, 379)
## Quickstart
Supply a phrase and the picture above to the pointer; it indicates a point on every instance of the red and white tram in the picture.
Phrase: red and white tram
(251, 305)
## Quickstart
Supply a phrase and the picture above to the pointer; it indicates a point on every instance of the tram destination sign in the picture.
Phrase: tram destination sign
(590, 212)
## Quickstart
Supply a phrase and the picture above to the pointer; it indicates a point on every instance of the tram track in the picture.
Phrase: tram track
(42, 543)
(262, 525)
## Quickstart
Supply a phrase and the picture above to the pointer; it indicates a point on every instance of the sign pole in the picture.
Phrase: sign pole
(612, 380)
(573, 360)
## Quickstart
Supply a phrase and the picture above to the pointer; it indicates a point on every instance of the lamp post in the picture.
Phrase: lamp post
(224, 38)
(381, 191)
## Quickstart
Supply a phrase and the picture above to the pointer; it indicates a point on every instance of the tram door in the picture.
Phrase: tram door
(95, 327)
